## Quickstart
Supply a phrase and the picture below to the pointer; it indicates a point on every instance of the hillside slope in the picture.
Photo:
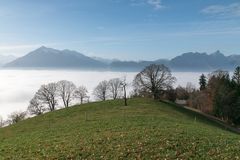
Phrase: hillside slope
(144, 130)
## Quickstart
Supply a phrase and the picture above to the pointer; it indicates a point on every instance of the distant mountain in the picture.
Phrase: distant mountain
(104, 60)
(201, 61)
(6, 59)
(191, 61)
(52, 58)
(234, 59)
(162, 61)
(133, 65)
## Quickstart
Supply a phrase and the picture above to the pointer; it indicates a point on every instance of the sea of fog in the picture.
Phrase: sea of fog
(17, 87)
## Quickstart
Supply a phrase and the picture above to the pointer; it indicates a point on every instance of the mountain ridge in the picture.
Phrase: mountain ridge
(52, 58)
(44, 57)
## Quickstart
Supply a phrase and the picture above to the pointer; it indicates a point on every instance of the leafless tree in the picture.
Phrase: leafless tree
(154, 79)
(190, 88)
(81, 93)
(66, 91)
(16, 117)
(199, 100)
(114, 87)
(36, 107)
(182, 93)
(100, 91)
(47, 94)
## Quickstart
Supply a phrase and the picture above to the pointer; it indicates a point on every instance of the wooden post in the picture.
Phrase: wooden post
(124, 84)
(125, 94)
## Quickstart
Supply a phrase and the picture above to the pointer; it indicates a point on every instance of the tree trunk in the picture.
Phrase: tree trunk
(81, 100)
(155, 96)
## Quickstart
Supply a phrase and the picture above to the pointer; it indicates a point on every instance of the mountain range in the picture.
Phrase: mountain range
(44, 57)
(191, 61)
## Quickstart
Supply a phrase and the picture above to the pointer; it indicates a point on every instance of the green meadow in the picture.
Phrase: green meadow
(146, 129)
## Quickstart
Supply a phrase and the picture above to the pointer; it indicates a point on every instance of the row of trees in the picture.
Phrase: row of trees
(48, 96)
(152, 81)
(113, 89)
(218, 94)
(47, 99)
(106, 89)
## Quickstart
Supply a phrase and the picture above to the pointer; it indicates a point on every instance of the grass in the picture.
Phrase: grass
(145, 129)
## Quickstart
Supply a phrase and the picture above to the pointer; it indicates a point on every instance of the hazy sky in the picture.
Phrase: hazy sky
(124, 29)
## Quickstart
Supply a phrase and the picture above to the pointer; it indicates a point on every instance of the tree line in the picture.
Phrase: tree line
(152, 81)
(49, 96)
(218, 94)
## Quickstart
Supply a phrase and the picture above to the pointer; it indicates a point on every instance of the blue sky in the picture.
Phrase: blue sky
(123, 29)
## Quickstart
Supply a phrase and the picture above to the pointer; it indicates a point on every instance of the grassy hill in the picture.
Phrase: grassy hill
(143, 130)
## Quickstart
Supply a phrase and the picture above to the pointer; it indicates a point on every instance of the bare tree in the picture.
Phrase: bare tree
(81, 93)
(182, 93)
(47, 94)
(16, 117)
(154, 79)
(66, 91)
(114, 87)
(36, 107)
(199, 100)
(190, 87)
(100, 91)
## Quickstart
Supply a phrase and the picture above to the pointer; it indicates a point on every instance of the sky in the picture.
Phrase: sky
(122, 29)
